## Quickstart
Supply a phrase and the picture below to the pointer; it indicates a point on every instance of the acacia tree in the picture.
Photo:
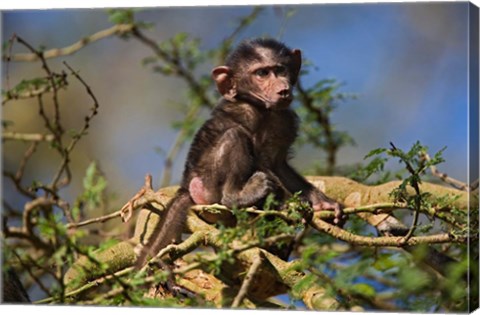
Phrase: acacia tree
(378, 260)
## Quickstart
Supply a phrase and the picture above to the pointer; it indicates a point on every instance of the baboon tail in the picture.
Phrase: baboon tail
(170, 227)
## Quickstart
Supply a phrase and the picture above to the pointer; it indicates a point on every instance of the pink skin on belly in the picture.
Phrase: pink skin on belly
(197, 191)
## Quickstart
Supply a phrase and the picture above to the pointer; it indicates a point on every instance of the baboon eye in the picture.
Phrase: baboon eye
(280, 70)
(262, 72)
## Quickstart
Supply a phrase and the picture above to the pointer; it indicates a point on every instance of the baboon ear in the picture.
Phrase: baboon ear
(223, 79)
(296, 64)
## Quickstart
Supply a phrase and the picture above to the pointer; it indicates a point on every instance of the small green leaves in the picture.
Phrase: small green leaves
(376, 165)
(363, 289)
(384, 262)
(121, 16)
(375, 152)
(314, 106)
(94, 185)
(414, 280)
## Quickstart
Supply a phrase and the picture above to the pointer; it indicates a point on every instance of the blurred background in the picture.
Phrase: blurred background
(405, 63)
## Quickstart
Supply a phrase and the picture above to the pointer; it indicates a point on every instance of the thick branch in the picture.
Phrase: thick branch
(274, 275)
(339, 188)
(397, 241)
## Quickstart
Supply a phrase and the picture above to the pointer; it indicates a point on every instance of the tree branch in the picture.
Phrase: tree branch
(395, 241)
(247, 281)
(444, 177)
(118, 29)
(35, 137)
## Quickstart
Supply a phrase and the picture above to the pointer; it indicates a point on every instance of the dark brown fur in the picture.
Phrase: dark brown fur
(240, 154)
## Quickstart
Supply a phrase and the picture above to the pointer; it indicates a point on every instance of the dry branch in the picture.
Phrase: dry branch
(444, 177)
(35, 137)
(248, 280)
(24, 95)
(118, 29)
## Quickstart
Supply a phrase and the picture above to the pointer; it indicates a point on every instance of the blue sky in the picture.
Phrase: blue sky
(407, 63)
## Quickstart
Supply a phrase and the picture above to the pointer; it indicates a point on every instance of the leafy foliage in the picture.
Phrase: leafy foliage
(315, 106)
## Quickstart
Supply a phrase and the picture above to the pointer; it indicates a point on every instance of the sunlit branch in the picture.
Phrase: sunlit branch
(118, 29)
(394, 241)
(35, 137)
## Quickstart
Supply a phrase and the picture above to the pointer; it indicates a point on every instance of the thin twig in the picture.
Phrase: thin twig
(27, 230)
(414, 183)
(8, 59)
(94, 220)
(180, 70)
(323, 120)
(55, 127)
(43, 114)
(252, 210)
(91, 284)
(29, 208)
(243, 23)
(444, 177)
(247, 281)
(17, 178)
(78, 136)
(51, 77)
(145, 196)
(100, 299)
(30, 272)
(29, 94)
(23, 163)
(13, 95)
(283, 24)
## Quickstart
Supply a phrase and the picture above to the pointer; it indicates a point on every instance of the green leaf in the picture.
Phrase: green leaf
(375, 152)
(302, 285)
(363, 289)
(413, 279)
(121, 16)
(384, 263)
(94, 186)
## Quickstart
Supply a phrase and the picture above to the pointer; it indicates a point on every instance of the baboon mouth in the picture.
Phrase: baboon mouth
(281, 103)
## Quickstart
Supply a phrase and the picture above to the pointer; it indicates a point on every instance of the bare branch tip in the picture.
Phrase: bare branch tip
(148, 181)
